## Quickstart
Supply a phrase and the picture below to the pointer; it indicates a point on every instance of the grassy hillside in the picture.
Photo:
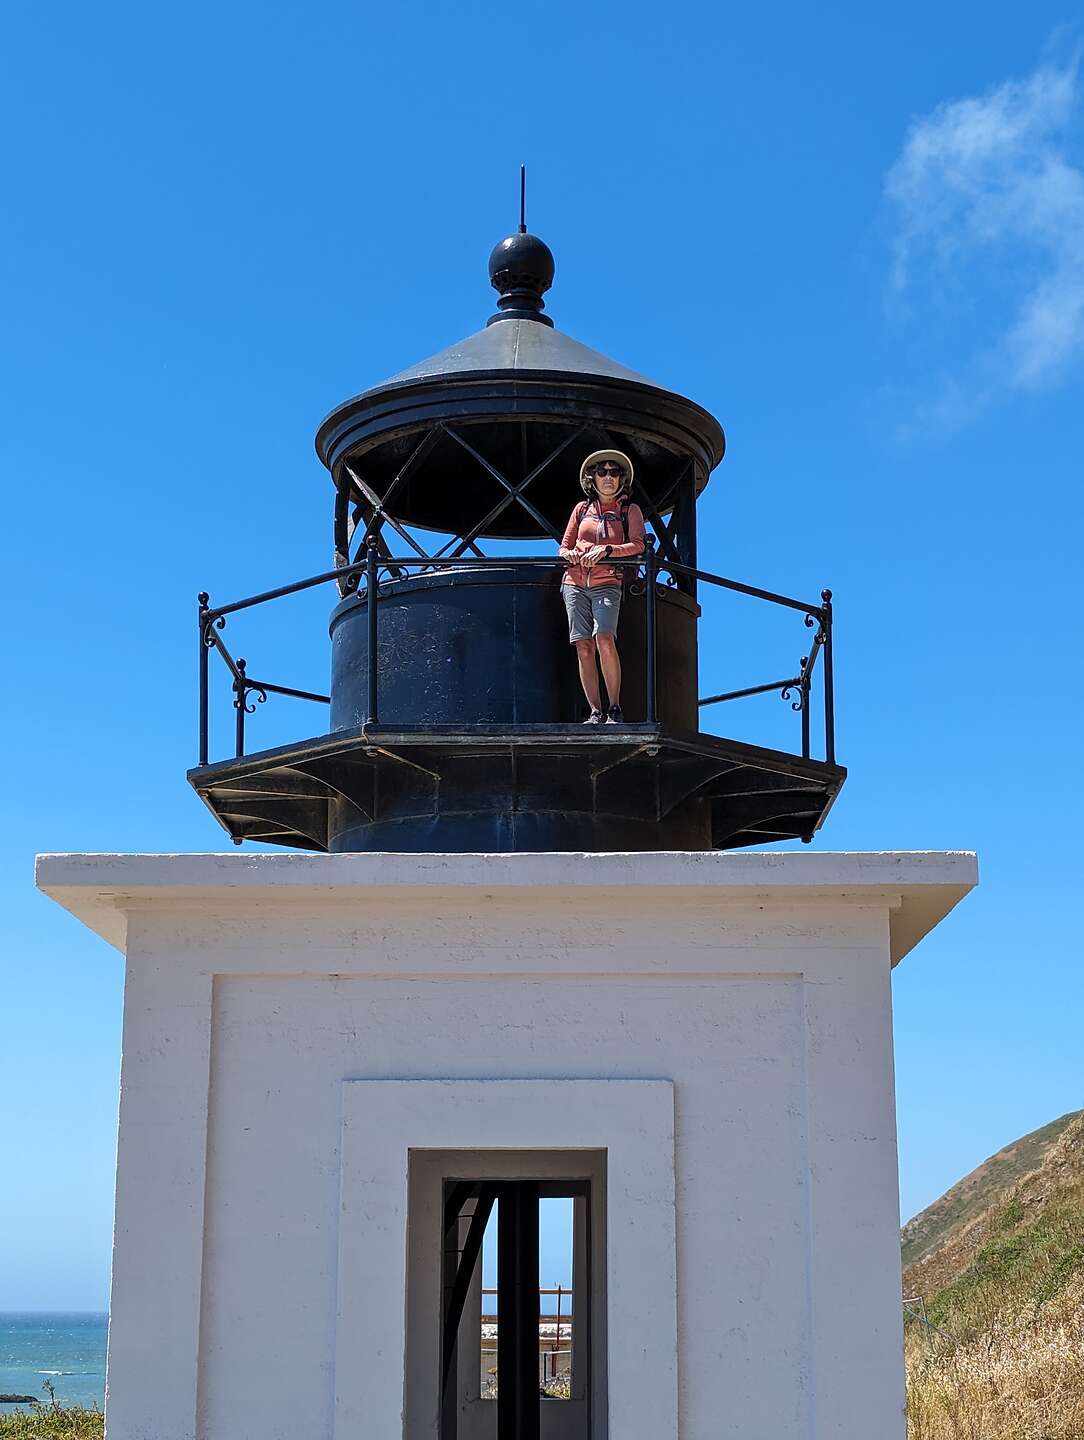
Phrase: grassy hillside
(976, 1192)
(1002, 1355)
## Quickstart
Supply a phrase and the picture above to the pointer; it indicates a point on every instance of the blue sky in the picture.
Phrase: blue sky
(853, 232)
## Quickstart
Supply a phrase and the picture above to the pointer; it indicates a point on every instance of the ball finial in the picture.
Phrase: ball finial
(521, 267)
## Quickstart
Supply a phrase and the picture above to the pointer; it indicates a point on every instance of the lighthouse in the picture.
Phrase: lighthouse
(501, 958)
(451, 719)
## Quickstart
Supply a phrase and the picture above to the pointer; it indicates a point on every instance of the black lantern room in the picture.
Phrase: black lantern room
(454, 704)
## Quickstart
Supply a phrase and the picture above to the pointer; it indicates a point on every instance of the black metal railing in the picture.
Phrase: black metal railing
(212, 621)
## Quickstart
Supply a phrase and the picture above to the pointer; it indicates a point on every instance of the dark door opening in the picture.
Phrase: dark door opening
(543, 1357)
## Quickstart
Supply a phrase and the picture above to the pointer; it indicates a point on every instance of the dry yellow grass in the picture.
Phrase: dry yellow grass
(1013, 1382)
(47, 1422)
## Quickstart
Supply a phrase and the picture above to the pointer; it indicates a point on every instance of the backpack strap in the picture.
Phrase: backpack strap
(585, 505)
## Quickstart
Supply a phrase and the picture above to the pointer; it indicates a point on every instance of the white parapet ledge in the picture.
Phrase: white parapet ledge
(920, 887)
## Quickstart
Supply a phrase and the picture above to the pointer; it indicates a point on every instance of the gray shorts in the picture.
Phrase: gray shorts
(592, 610)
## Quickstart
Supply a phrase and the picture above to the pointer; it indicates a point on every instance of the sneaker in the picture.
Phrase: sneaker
(595, 718)
(615, 716)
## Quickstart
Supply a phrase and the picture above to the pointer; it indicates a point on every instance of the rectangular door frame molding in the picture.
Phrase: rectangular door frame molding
(383, 1121)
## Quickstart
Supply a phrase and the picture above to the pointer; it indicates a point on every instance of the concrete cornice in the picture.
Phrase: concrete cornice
(919, 888)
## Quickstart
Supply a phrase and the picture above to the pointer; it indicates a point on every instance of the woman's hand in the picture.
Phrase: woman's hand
(590, 557)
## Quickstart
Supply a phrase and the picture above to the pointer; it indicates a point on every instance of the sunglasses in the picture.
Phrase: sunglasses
(608, 469)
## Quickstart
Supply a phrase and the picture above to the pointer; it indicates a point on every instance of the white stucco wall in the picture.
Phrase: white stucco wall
(258, 987)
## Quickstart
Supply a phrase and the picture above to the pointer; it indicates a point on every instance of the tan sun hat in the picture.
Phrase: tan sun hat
(596, 458)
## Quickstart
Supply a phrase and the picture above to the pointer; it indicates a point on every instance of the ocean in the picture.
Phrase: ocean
(68, 1350)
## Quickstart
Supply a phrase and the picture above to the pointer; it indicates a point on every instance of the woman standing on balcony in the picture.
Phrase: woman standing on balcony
(606, 526)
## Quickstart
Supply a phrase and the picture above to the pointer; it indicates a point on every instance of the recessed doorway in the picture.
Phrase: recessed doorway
(521, 1349)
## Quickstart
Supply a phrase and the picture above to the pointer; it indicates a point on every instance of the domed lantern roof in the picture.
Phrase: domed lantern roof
(519, 393)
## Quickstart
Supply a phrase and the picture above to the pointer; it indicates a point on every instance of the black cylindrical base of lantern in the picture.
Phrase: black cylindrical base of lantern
(490, 647)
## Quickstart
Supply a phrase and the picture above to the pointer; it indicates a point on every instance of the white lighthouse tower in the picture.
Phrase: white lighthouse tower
(527, 959)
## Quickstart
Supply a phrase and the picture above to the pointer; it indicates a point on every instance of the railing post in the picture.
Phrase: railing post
(803, 691)
(649, 628)
(204, 657)
(240, 690)
(372, 598)
(829, 682)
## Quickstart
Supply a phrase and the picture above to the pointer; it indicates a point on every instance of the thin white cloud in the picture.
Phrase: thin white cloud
(989, 178)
